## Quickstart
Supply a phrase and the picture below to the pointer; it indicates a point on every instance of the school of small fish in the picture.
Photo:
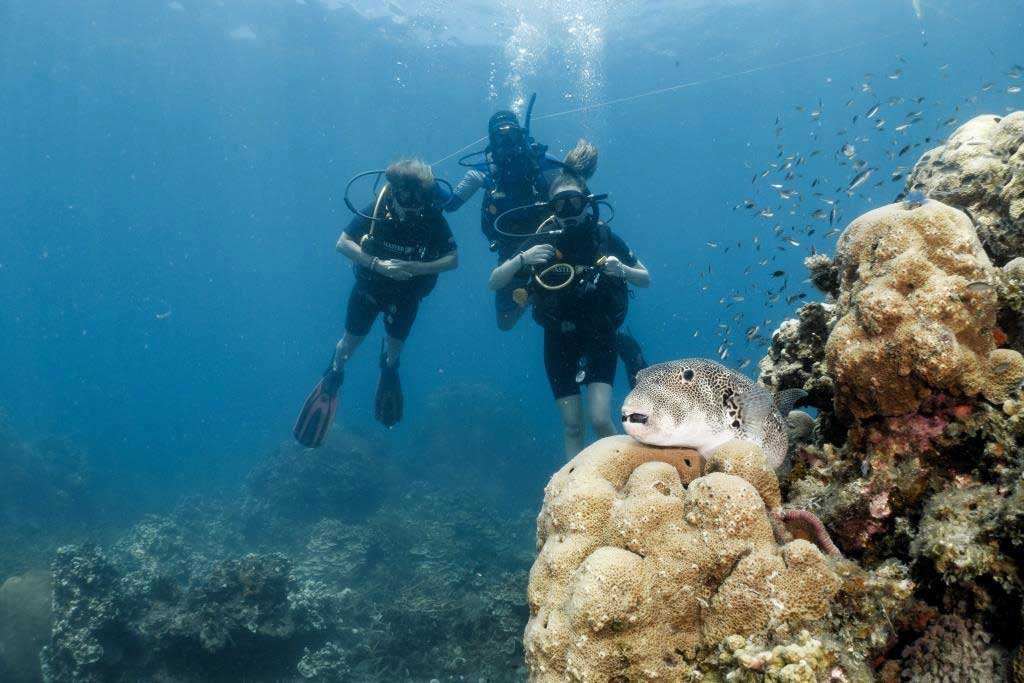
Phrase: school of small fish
(859, 152)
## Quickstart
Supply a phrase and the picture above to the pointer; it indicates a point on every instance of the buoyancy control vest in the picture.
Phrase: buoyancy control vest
(591, 299)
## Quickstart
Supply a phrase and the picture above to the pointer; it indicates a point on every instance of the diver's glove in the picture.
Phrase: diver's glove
(537, 255)
(614, 267)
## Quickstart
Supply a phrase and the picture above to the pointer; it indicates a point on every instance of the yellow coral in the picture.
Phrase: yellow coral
(912, 317)
(642, 566)
(745, 460)
(1004, 376)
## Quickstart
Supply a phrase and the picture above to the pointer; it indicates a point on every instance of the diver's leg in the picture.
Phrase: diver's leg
(602, 360)
(570, 408)
(631, 354)
(560, 356)
(359, 316)
(392, 350)
(347, 345)
(399, 315)
(599, 408)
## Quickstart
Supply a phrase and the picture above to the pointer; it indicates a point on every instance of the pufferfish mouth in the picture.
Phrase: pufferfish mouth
(634, 418)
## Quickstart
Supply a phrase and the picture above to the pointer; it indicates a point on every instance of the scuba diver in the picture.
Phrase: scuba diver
(398, 244)
(577, 273)
(514, 171)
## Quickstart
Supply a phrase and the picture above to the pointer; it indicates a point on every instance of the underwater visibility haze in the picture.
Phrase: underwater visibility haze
(172, 188)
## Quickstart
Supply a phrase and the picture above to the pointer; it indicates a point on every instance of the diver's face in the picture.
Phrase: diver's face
(408, 204)
(570, 210)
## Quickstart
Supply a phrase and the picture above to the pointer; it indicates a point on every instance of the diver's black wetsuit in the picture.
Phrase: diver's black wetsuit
(581, 320)
(425, 240)
(503, 192)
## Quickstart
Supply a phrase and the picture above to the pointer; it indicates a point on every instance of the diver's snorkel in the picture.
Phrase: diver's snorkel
(528, 118)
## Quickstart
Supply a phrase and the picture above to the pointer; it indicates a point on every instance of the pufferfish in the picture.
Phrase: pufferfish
(700, 404)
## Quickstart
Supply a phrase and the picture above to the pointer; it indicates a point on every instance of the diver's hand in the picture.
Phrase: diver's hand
(394, 269)
(538, 255)
(613, 267)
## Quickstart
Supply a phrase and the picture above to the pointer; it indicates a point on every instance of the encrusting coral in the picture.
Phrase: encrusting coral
(980, 168)
(913, 318)
(644, 567)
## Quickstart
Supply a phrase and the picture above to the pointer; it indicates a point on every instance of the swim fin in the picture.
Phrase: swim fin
(388, 403)
(317, 414)
(631, 354)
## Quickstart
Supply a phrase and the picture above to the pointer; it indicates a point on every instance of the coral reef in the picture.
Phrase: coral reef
(111, 625)
(911, 320)
(320, 581)
(638, 577)
(952, 649)
(980, 168)
(824, 274)
(24, 624)
(796, 357)
(958, 535)
(923, 484)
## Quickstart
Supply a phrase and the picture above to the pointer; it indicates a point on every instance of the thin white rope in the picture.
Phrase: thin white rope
(691, 84)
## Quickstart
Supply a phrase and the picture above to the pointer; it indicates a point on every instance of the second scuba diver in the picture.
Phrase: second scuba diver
(516, 173)
(398, 245)
(577, 274)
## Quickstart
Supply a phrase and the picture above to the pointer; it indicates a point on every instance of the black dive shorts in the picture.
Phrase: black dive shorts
(398, 305)
(564, 354)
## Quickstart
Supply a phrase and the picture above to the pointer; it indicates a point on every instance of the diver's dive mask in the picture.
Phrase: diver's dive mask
(570, 208)
(408, 203)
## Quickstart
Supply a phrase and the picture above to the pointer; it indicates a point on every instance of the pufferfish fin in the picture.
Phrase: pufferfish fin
(786, 399)
(755, 406)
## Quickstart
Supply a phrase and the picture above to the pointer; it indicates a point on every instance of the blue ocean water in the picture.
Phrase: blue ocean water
(171, 179)
(171, 190)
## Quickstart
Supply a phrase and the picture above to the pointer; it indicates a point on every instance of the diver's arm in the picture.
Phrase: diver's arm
(635, 275)
(536, 255)
(503, 274)
(350, 248)
(449, 261)
(465, 189)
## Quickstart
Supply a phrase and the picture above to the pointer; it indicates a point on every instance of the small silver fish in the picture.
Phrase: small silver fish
(859, 179)
(981, 286)
(701, 404)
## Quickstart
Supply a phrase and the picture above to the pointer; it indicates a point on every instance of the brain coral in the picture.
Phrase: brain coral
(981, 169)
(643, 566)
(915, 313)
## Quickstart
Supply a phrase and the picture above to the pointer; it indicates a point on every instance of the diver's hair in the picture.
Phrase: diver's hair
(413, 174)
(581, 160)
(579, 164)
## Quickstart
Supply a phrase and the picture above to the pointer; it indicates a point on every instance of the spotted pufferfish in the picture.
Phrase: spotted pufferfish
(700, 404)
